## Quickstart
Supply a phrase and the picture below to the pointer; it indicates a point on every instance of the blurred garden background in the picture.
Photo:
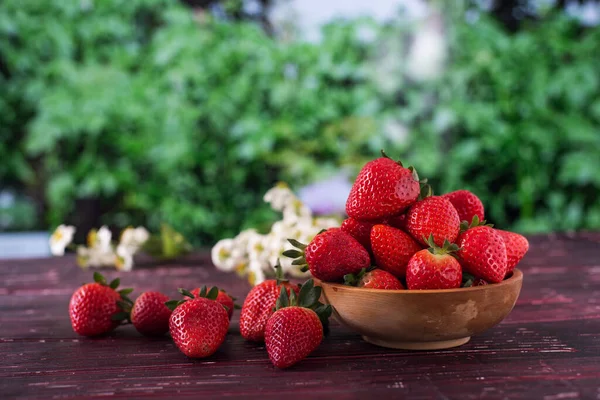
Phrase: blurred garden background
(140, 112)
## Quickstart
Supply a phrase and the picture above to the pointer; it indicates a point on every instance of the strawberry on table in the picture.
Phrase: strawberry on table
(373, 279)
(434, 268)
(296, 328)
(198, 325)
(392, 248)
(97, 308)
(434, 215)
(382, 188)
(516, 248)
(149, 314)
(330, 255)
(482, 251)
(259, 304)
(222, 298)
(467, 204)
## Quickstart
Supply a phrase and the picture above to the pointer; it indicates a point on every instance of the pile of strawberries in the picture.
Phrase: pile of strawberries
(288, 318)
(399, 235)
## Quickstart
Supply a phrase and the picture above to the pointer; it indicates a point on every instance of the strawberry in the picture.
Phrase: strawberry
(259, 304)
(97, 308)
(373, 279)
(382, 188)
(198, 326)
(397, 221)
(392, 248)
(467, 205)
(359, 230)
(434, 268)
(482, 251)
(150, 315)
(296, 328)
(222, 298)
(330, 255)
(435, 216)
(516, 248)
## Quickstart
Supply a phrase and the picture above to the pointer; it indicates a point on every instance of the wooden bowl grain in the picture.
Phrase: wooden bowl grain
(422, 319)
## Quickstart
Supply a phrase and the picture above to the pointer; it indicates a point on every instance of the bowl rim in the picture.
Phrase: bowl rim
(517, 275)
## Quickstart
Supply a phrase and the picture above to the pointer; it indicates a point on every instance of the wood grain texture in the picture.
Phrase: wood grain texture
(547, 348)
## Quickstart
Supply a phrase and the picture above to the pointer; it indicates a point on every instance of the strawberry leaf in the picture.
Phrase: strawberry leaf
(212, 293)
(115, 283)
(120, 316)
(186, 293)
(172, 304)
(297, 244)
(98, 278)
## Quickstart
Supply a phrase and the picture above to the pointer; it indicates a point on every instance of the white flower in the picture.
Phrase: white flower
(295, 211)
(95, 257)
(100, 239)
(124, 258)
(221, 254)
(256, 273)
(279, 196)
(60, 239)
(132, 239)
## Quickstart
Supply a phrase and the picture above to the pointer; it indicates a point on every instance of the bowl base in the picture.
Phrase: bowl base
(442, 344)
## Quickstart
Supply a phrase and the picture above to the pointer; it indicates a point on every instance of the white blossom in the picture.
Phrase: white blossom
(123, 260)
(279, 196)
(221, 253)
(60, 239)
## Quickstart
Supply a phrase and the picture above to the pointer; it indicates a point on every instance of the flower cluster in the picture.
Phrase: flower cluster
(100, 250)
(253, 255)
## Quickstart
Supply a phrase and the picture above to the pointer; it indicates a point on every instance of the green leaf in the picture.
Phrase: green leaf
(283, 300)
(172, 304)
(99, 278)
(115, 283)
(125, 292)
(293, 298)
(212, 293)
(120, 316)
(297, 244)
(292, 253)
(187, 293)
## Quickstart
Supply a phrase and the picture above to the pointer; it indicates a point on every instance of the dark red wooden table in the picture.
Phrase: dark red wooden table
(548, 348)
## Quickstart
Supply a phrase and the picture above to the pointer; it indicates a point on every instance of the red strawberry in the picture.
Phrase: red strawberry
(222, 298)
(434, 268)
(359, 230)
(198, 326)
(483, 253)
(392, 249)
(398, 221)
(259, 304)
(516, 248)
(150, 315)
(382, 188)
(296, 327)
(374, 279)
(330, 255)
(467, 205)
(96, 308)
(435, 216)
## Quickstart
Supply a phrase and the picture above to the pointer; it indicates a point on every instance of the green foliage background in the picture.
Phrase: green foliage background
(162, 116)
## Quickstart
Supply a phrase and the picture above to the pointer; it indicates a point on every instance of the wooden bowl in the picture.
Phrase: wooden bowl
(422, 319)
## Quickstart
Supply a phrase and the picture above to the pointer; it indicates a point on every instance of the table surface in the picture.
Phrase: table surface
(547, 348)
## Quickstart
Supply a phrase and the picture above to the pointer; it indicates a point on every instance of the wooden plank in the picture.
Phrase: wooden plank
(549, 347)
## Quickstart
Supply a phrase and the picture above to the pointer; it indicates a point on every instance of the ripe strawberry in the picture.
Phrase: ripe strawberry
(482, 252)
(359, 230)
(382, 188)
(296, 327)
(150, 315)
(434, 268)
(397, 221)
(516, 248)
(435, 216)
(97, 308)
(373, 279)
(222, 298)
(392, 248)
(198, 326)
(259, 304)
(330, 255)
(467, 205)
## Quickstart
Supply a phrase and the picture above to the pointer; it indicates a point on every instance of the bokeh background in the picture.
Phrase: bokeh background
(146, 111)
